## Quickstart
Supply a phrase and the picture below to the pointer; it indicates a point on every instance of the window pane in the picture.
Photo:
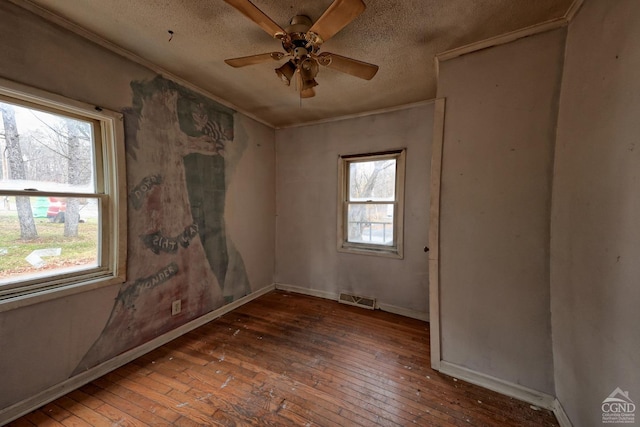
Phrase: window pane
(372, 180)
(370, 223)
(61, 244)
(45, 151)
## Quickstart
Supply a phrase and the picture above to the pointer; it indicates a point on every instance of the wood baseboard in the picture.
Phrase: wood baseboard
(27, 405)
(406, 312)
(307, 291)
(334, 296)
(561, 416)
(534, 397)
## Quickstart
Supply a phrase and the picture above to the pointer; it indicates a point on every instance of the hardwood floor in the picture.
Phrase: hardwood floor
(284, 360)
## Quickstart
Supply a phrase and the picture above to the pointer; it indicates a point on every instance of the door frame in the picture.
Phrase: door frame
(434, 232)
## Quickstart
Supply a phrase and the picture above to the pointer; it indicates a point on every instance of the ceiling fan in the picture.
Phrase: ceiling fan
(302, 40)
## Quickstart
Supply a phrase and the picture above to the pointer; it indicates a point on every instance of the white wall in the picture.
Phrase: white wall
(307, 182)
(595, 240)
(42, 345)
(500, 119)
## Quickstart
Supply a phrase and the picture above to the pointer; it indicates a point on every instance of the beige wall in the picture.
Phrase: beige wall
(41, 345)
(307, 182)
(500, 121)
(595, 240)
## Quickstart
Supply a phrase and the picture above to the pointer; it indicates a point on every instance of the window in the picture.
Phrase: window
(370, 206)
(62, 216)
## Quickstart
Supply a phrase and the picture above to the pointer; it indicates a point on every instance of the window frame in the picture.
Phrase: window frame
(392, 251)
(110, 185)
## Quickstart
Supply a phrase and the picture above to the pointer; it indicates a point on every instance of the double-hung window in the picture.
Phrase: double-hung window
(62, 199)
(370, 205)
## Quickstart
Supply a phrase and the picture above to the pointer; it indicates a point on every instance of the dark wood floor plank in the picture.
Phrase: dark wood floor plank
(286, 359)
(160, 399)
(348, 377)
(117, 417)
(142, 401)
(39, 418)
(284, 375)
(75, 421)
(88, 400)
(88, 415)
(288, 366)
(21, 422)
(283, 388)
(126, 406)
(55, 411)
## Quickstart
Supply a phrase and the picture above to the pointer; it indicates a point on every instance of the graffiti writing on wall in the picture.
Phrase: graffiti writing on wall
(159, 243)
(139, 192)
(128, 296)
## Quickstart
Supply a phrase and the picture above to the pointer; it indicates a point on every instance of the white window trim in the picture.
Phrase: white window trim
(396, 251)
(113, 244)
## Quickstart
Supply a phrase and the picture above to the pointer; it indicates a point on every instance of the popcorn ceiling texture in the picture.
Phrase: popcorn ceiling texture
(400, 36)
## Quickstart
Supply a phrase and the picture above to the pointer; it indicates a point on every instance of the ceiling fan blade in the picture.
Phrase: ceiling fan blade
(351, 66)
(249, 10)
(254, 59)
(335, 18)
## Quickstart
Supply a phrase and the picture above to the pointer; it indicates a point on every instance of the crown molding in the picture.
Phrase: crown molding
(509, 37)
(573, 9)
(358, 115)
(88, 35)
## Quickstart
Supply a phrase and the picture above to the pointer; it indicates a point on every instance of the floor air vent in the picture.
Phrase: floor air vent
(364, 302)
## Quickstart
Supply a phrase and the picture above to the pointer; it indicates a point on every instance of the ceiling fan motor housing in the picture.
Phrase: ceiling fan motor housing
(299, 24)
(295, 42)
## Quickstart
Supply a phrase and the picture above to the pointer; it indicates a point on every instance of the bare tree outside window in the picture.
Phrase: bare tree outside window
(78, 157)
(16, 170)
(371, 181)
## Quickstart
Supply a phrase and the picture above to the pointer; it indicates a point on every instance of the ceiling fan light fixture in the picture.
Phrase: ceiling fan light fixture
(307, 93)
(309, 69)
(309, 84)
(285, 73)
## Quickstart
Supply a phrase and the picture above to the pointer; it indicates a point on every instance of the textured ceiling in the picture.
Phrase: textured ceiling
(401, 36)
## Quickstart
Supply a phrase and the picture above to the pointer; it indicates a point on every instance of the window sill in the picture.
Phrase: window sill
(383, 252)
(26, 298)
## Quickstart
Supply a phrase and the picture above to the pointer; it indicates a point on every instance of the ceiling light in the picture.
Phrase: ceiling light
(307, 93)
(309, 84)
(286, 72)
(309, 69)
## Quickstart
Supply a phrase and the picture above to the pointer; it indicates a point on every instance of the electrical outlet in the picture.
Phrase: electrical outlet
(176, 307)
